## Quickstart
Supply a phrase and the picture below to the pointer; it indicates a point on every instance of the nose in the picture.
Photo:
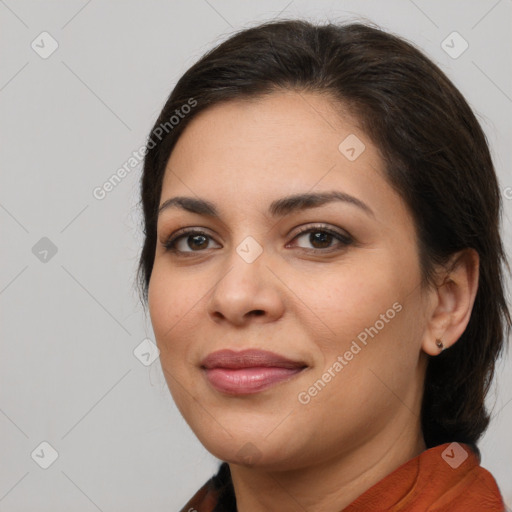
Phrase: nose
(246, 292)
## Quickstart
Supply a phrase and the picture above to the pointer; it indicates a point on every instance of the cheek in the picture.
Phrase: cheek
(370, 373)
(352, 298)
(170, 299)
(380, 343)
(372, 308)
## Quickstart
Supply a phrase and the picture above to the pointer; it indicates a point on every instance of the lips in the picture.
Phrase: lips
(248, 359)
(248, 371)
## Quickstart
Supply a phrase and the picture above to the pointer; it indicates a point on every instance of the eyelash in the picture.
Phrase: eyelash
(344, 240)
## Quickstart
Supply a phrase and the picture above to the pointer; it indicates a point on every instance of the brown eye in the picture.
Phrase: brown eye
(197, 241)
(188, 241)
(321, 239)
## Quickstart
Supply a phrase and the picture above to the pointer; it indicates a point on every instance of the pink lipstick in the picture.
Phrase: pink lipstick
(248, 371)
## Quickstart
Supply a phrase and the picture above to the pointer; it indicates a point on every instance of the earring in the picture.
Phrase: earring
(439, 344)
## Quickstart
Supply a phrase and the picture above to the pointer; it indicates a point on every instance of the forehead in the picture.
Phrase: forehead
(280, 118)
(259, 149)
(286, 130)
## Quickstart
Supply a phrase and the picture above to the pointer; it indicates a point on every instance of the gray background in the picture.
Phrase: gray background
(71, 322)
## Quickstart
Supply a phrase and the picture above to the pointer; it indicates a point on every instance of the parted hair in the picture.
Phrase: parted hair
(436, 157)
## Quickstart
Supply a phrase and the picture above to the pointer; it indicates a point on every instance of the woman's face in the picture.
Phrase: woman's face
(341, 301)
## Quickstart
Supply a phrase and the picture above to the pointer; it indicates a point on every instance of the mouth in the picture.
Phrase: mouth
(249, 371)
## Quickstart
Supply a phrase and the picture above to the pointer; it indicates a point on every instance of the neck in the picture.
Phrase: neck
(329, 485)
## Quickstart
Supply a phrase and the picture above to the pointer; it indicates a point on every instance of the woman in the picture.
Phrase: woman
(323, 269)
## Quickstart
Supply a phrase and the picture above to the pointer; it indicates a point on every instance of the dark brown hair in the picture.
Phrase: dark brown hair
(435, 154)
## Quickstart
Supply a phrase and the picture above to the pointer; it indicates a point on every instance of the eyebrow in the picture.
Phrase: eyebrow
(278, 208)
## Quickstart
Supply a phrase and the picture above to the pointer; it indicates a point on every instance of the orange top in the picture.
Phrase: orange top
(446, 478)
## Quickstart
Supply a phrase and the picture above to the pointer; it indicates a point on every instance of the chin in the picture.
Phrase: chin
(250, 447)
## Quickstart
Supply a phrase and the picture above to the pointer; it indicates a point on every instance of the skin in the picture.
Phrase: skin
(300, 300)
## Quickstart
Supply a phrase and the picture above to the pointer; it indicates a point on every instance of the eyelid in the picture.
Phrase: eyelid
(343, 234)
(184, 232)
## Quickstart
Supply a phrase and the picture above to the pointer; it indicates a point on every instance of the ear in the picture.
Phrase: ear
(452, 302)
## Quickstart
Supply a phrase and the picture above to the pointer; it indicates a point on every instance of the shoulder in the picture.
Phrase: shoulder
(445, 478)
(462, 482)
